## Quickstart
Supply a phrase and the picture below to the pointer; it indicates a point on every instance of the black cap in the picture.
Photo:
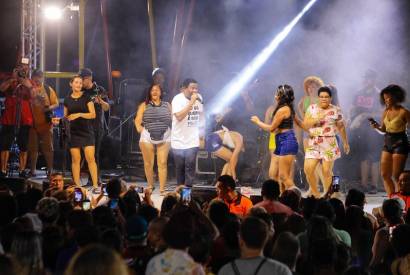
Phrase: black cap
(86, 72)
(136, 228)
(37, 72)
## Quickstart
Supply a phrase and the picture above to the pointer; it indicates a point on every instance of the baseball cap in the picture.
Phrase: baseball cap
(136, 228)
(85, 72)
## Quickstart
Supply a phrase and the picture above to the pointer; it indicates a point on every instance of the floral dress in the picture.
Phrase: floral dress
(322, 142)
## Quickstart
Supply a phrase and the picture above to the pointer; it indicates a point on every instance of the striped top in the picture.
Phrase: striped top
(157, 119)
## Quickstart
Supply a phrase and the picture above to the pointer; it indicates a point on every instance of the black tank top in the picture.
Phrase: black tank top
(286, 123)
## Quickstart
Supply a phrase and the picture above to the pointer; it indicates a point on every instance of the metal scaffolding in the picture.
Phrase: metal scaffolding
(31, 33)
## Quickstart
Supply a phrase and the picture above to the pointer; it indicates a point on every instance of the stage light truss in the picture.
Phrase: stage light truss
(30, 31)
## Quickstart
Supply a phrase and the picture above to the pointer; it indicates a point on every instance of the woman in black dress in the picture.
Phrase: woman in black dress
(79, 111)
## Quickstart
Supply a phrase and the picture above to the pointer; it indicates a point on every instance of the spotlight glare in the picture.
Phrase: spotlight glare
(234, 87)
(53, 13)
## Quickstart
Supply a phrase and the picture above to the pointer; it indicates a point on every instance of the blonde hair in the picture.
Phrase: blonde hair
(96, 259)
(312, 79)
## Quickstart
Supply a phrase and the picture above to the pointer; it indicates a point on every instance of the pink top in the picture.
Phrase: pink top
(274, 207)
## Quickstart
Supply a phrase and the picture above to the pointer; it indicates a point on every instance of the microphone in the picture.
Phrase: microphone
(199, 99)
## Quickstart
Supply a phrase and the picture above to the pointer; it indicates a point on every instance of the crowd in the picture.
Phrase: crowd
(120, 231)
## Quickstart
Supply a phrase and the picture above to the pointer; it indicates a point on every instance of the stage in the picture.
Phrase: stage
(373, 200)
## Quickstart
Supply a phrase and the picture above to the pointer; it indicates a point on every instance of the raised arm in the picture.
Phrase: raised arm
(281, 114)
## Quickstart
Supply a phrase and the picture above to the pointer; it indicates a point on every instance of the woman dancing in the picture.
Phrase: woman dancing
(282, 123)
(153, 121)
(79, 111)
(226, 145)
(394, 124)
(324, 121)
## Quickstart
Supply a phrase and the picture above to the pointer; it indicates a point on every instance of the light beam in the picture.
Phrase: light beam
(234, 87)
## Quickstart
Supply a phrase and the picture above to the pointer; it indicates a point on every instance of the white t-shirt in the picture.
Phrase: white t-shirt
(185, 133)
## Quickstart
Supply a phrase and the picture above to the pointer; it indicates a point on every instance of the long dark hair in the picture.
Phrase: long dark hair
(148, 93)
(286, 98)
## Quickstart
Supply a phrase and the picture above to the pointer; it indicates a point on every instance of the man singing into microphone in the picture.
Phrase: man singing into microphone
(187, 121)
(101, 105)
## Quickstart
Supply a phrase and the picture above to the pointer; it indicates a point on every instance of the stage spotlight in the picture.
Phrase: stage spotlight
(234, 87)
(53, 13)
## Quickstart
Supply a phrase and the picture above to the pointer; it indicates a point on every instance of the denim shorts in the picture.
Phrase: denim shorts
(286, 144)
(213, 142)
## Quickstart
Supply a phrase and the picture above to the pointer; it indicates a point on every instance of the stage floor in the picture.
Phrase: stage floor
(373, 200)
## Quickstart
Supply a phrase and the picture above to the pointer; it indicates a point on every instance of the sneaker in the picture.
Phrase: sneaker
(3, 174)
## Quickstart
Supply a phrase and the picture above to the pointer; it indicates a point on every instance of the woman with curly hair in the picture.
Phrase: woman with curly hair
(394, 124)
(282, 123)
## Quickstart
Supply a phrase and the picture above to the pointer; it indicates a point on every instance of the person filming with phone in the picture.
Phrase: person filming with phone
(394, 123)
(17, 117)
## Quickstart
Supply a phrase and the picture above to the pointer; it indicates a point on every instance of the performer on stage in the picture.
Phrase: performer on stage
(226, 145)
(159, 78)
(311, 85)
(100, 99)
(44, 101)
(187, 121)
(366, 104)
(153, 122)
(17, 117)
(394, 123)
(286, 144)
(323, 120)
(79, 111)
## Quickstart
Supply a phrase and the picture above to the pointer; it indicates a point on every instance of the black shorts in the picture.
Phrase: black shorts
(396, 143)
(7, 137)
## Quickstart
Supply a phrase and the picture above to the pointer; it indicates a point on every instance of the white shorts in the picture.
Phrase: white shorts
(145, 137)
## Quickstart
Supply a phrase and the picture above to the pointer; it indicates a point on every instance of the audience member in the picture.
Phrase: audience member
(252, 239)
(325, 209)
(218, 213)
(96, 259)
(382, 250)
(404, 188)
(361, 233)
(178, 234)
(237, 203)
(340, 213)
(26, 248)
(270, 194)
(357, 197)
(292, 198)
(286, 250)
(400, 241)
(168, 203)
(8, 265)
(155, 234)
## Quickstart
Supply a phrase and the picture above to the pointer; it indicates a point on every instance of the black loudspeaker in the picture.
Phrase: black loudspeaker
(203, 193)
(132, 93)
(17, 185)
